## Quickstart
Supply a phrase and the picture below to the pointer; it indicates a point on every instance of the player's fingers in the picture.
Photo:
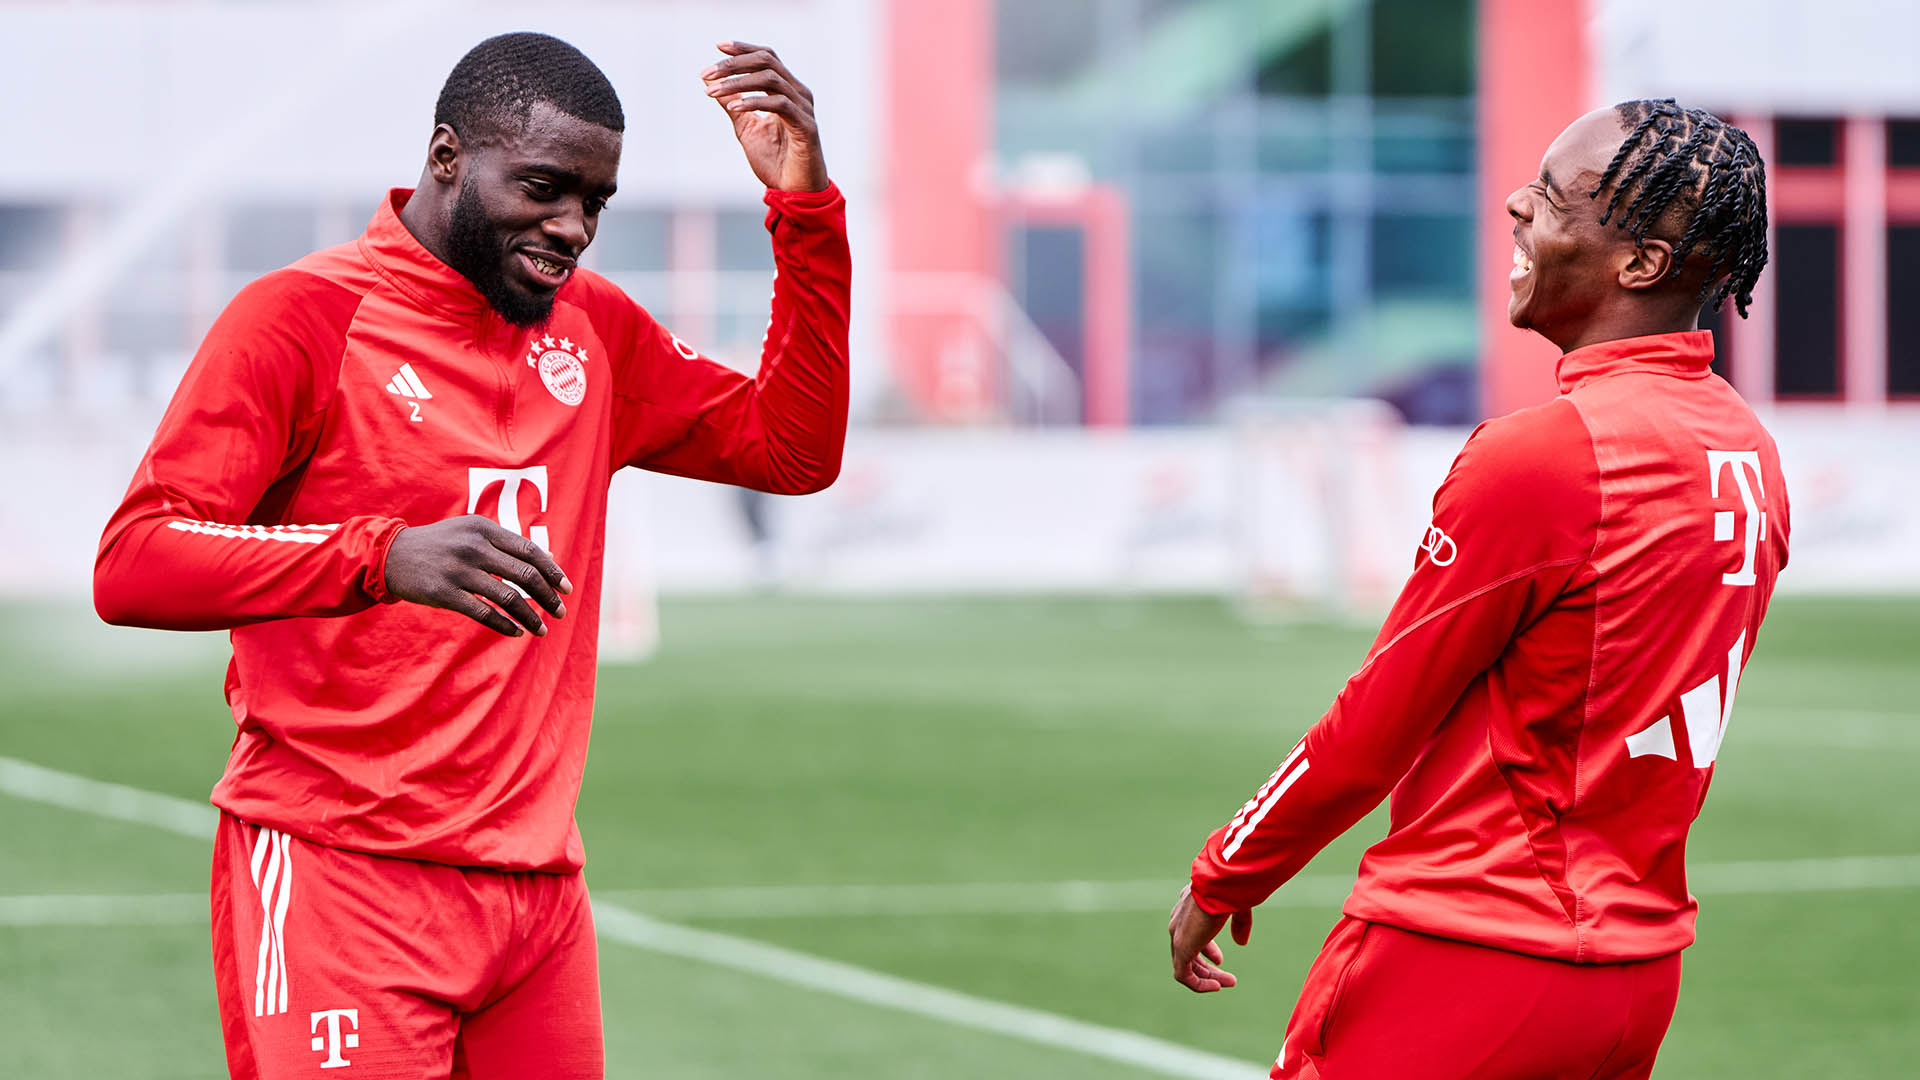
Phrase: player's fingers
(764, 82)
(505, 597)
(1242, 926)
(530, 553)
(479, 611)
(778, 104)
(1219, 976)
(1212, 952)
(745, 57)
(1197, 984)
(527, 578)
(1203, 978)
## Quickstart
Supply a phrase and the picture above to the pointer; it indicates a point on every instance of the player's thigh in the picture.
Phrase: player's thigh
(546, 1025)
(1320, 996)
(305, 974)
(1656, 990)
(1422, 1008)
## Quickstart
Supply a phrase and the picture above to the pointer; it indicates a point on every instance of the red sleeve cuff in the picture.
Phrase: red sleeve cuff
(803, 201)
(376, 577)
(1210, 904)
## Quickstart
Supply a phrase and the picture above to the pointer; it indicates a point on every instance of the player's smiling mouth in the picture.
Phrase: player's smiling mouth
(548, 269)
(1522, 260)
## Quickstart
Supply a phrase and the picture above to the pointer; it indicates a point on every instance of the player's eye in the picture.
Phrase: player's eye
(539, 189)
(594, 206)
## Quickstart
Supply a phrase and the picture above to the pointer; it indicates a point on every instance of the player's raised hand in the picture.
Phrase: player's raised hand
(464, 564)
(1196, 956)
(772, 115)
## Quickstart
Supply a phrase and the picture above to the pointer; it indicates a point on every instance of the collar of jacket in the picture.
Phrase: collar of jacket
(404, 263)
(1686, 355)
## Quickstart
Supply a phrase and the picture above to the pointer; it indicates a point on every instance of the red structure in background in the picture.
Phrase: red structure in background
(945, 222)
(941, 229)
(1535, 79)
(1100, 214)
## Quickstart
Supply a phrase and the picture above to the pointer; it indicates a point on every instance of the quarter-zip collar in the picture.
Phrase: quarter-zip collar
(1686, 355)
(404, 262)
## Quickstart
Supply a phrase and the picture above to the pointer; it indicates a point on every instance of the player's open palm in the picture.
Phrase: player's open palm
(772, 114)
(473, 566)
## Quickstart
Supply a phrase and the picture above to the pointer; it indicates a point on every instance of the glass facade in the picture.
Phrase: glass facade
(1300, 178)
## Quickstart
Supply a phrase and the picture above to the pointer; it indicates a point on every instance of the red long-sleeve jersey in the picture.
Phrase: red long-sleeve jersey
(369, 386)
(1547, 696)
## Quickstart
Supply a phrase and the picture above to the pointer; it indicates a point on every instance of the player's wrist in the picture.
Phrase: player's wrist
(816, 199)
(375, 584)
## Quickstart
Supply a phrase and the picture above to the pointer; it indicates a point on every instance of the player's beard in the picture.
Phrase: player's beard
(480, 252)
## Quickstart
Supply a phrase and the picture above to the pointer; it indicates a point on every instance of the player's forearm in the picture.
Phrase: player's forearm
(1428, 654)
(168, 572)
(802, 389)
(1320, 790)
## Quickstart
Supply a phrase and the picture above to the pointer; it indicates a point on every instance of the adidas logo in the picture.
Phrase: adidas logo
(407, 384)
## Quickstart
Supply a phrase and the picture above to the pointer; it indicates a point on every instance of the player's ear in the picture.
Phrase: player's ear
(443, 154)
(1647, 264)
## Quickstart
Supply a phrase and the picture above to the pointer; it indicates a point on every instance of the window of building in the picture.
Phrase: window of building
(1903, 144)
(30, 236)
(1806, 141)
(1903, 313)
(266, 236)
(628, 240)
(1807, 316)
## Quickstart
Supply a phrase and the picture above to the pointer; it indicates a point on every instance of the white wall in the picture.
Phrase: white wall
(1779, 56)
(924, 511)
(337, 98)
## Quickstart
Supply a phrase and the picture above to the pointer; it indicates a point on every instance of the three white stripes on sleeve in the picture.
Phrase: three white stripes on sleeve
(1255, 811)
(291, 534)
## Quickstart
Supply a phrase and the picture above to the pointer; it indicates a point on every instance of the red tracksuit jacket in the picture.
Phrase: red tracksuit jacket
(369, 386)
(1547, 697)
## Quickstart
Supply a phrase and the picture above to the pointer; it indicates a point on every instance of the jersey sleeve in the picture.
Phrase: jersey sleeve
(1513, 524)
(783, 431)
(200, 541)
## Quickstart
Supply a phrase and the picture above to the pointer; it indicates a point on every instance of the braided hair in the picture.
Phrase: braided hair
(492, 90)
(1698, 167)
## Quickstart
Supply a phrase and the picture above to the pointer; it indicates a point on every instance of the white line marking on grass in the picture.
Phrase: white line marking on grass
(616, 923)
(1841, 874)
(37, 783)
(1847, 873)
(1836, 729)
(965, 898)
(154, 909)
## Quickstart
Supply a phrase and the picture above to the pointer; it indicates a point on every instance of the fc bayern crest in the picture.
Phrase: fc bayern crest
(562, 366)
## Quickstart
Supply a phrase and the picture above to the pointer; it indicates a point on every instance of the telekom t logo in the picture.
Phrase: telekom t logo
(335, 1040)
(1742, 462)
(479, 481)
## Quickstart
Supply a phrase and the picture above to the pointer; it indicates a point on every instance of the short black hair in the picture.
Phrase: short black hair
(492, 90)
(1708, 172)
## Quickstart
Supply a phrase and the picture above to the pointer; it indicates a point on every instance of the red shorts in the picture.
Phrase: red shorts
(1381, 1002)
(403, 970)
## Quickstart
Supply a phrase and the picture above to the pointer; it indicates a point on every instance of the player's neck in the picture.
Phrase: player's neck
(1632, 323)
(426, 219)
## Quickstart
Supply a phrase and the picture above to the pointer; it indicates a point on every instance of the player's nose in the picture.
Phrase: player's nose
(1517, 205)
(568, 227)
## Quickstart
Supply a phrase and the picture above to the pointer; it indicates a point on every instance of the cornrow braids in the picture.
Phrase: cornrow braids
(1690, 162)
(493, 89)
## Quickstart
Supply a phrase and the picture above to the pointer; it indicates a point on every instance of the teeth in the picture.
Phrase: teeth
(545, 266)
(1520, 260)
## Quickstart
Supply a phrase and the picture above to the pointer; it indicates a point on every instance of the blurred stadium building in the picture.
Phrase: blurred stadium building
(1116, 259)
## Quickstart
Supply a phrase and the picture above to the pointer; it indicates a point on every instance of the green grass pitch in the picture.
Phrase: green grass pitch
(802, 742)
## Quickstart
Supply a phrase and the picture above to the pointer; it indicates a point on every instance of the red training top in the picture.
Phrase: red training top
(1547, 696)
(368, 386)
